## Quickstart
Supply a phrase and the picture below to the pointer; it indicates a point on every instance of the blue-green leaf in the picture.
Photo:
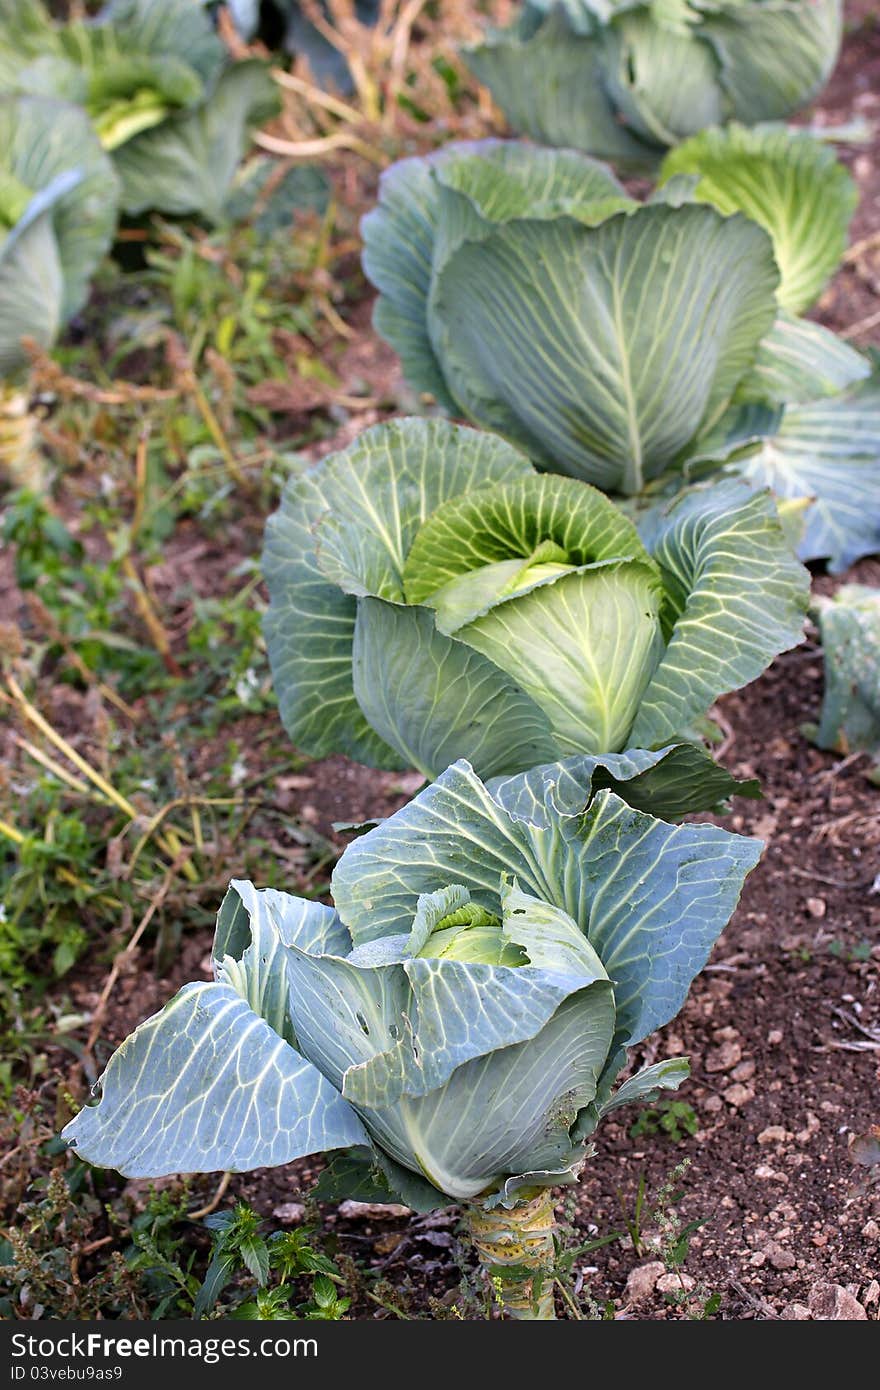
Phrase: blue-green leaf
(434, 699)
(207, 1085)
(668, 783)
(254, 926)
(550, 85)
(46, 267)
(800, 361)
(827, 451)
(648, 1083)
(773, 58)
(736, 597)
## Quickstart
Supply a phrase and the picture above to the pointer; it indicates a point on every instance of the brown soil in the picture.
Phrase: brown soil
(853, 94)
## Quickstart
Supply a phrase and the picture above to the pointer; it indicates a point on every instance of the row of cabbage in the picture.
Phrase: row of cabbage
(472, 603)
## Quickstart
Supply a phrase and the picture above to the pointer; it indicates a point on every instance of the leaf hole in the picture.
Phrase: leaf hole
(365, 1027)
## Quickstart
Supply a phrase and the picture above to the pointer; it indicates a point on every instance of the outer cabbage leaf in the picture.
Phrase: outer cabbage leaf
(643, 1088)
(662, 80)
(604, 350)
(849, 624)
(650, 897)
(254, 928)
(649, 1083)
(827, 451)
(735, 598)
(26, 32)
(188, 163)
(511, 1112)
(368, 1175)
(788, 183)
(177, 28)
(31, 279)
(551, 85)
(258, 198)
(191, 1090)
(799, 362)
(668, 783)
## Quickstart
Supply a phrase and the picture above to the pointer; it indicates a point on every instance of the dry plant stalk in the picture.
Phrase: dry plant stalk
(49, 376)
(402, 54)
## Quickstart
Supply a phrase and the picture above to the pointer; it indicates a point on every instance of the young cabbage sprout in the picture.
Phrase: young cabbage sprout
(626, 79)
(456, 1023)
(849, 626)
(433, 597)
(632, 344)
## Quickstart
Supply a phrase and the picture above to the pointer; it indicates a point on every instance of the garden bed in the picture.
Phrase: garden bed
(783, 1028)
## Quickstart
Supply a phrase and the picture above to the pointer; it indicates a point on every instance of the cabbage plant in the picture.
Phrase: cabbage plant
(628, 344)
(451, 1031)
(159, 87)
(434, 597)
(627, 79)
(849, 624)
(58, 202)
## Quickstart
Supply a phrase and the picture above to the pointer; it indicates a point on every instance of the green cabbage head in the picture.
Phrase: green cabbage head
(627, 79)
(434, 597)
(633, 344)
(456, 1022)
(159, 89)
(58, 205)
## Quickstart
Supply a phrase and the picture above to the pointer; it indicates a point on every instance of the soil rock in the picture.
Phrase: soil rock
(641, 1282)
(834, 1303)
(372, 1211)
(724, 1057)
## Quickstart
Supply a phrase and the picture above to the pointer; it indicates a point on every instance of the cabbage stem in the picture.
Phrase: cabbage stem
(20, 460)
(517, 1254)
